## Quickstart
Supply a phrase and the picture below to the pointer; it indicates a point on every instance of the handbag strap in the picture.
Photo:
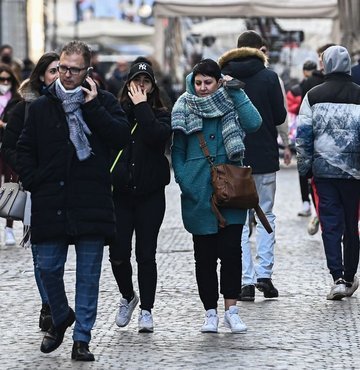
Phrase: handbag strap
(260, 213)
(120, 152)
(204, 148)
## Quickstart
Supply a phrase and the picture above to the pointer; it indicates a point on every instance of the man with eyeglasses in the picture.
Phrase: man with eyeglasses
(63, 159)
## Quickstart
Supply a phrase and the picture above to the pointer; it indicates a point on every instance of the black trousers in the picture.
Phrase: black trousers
(142, 215)
(226, 246)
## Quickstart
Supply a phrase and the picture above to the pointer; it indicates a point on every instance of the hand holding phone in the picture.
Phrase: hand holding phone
(89, 87)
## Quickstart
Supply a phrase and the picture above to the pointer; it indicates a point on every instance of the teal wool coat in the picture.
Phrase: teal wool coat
(192, 170)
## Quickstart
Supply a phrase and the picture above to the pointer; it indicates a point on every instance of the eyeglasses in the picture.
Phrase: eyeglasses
(5, 79)
(73, 70)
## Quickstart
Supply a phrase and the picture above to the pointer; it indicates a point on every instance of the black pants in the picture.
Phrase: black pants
(144, 215)
(226, 246)
(338, 213)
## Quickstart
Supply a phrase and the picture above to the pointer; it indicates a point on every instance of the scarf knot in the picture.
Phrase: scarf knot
(78, 128)
(190, 109)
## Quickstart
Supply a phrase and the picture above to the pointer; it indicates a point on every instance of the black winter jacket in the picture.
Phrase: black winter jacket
(143, 167)
(70, 198)
(15, 124)
(8, 111)
(263, 88)
(316, 78)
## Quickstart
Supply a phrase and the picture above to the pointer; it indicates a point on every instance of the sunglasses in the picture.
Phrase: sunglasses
(5, 79)
(73, 70)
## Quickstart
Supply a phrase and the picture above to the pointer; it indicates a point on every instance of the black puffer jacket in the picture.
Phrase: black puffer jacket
(69, 197)
(15, 124)
(263, 89)
(143, 167)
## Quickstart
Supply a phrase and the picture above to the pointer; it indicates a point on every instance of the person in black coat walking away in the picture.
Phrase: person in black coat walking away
(63, 157)
(9, 97)
(248, 64)
(44, 74)
(140, 175)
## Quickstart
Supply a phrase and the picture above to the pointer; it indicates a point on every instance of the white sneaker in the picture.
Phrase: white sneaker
(351, 286)
(126, 309)
(9, 236)
(338, 290)
(211, 322)
(306, 211)
(146, 324)
(233, 321)
(313, 226)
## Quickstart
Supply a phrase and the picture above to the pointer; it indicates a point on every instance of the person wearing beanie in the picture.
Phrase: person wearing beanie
(139, 175)
(328, 148)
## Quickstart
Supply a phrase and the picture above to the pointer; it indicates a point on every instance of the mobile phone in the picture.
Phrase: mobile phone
(88, 74)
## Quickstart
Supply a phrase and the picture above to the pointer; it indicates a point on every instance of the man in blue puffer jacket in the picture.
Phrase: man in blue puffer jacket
(328, 147)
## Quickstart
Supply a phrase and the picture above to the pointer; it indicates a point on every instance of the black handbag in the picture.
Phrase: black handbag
(12, 201)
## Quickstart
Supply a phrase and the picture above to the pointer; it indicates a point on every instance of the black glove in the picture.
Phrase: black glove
(234, 84)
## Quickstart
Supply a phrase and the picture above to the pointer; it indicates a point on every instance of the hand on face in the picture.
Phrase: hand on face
(136, 94)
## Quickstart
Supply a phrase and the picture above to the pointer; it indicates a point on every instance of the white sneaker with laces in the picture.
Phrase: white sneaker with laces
(306, 211)
(146, 324)
(9, 236)
(351, 286)
(126, 309)
(211, 322)
(233, 321)
(338, 290)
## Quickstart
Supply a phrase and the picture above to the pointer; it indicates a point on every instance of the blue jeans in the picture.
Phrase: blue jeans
(51, 260)
(39, 283)
(266, 186)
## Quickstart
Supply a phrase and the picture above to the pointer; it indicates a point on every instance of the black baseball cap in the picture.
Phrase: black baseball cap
(141, 68)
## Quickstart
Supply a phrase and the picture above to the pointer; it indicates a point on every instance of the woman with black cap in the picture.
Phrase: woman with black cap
(140, 173)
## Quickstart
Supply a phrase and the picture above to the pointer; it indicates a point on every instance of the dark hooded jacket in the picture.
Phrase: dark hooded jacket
(70, 198)
(15, 123)
(263, 88)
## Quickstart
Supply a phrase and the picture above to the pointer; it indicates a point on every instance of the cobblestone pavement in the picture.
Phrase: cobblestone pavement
(299, 330)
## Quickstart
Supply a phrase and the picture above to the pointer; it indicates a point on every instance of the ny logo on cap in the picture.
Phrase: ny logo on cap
(142, 66)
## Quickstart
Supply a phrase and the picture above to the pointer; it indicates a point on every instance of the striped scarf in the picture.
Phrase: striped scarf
(77, 127)
(189, 111)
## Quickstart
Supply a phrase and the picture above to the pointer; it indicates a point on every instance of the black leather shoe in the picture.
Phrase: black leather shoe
(266, 286)
(80, 352)
(45, 318)
(55, 335)
(247, 293)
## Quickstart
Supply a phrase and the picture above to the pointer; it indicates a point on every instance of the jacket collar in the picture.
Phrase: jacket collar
(242, 53)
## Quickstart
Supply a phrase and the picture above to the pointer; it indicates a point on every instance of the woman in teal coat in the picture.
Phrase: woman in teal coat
(221, 110)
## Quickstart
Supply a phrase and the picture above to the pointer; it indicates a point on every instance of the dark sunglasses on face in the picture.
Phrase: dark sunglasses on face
(5, 79)
(73, 70)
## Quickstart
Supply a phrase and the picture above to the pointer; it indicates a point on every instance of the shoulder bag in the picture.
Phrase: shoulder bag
(12, 201)
(233, 187)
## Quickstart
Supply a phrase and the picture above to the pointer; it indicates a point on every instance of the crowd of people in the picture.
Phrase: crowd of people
(91, 153)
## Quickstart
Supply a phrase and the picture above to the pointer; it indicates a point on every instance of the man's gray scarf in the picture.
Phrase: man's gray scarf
(77, 127)
(189, 111)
